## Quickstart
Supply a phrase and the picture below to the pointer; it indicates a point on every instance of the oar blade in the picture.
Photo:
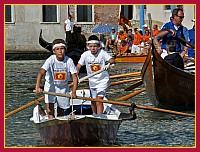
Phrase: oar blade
(133, 86)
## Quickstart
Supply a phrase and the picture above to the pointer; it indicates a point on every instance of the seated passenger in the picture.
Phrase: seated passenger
(123, 48)
(174, 58)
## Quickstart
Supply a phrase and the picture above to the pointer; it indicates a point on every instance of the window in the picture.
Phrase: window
(167, 7)
(127, 10)
(49, 13)
(84, 13)
(180, 6)
(8, 13)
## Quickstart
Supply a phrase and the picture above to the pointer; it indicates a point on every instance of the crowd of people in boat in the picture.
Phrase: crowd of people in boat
(170, 40)
(132, 42)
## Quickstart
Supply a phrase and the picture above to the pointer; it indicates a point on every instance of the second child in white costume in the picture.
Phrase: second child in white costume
(95, 59)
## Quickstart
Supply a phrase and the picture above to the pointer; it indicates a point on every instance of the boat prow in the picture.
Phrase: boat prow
(167, 86)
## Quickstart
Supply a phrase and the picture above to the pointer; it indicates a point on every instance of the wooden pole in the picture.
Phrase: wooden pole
(24, 106)
(123, 104)
(125, 75)
(124, 81)
(133, 86)
(126, 97)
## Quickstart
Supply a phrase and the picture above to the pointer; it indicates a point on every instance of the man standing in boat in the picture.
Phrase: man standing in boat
(172, 30)
(57, 69)
(95, 59)
(68, 26)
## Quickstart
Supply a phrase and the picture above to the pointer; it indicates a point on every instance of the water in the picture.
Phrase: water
(150, 129)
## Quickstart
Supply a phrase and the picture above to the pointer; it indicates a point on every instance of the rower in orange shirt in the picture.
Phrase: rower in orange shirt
(155, 30)
(146, 38)
(136, 42)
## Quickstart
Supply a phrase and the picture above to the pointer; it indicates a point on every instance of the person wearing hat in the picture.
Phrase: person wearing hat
(113, 36)
(57, 69)
(95, 59)
(145, 26)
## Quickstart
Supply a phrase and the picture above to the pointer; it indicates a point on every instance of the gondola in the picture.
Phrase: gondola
(81, 129)
(167, 86)
(74, 48)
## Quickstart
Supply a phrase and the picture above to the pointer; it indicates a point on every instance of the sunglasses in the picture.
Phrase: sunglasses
(181, 17)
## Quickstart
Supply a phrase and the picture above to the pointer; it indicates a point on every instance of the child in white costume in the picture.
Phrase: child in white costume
(57, 69)
(95, 59)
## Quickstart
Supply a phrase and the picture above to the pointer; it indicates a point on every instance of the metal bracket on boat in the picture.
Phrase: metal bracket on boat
(132, 112)
(129, 116)
(72, 115)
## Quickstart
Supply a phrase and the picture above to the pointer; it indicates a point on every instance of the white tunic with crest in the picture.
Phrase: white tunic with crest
(94, 63)
(57, 76)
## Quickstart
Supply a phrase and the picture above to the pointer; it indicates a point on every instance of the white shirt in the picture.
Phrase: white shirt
(69, 25)
(94, 63)
(57, 76)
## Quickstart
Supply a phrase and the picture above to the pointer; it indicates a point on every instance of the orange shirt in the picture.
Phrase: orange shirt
(146, 38)
(122, 36)
(124, 48)
(137, 39)
(155, 32)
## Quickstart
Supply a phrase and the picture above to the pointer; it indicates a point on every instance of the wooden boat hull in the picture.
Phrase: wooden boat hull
(167, 86)
(83, 128)
(79, 132)
(134, 59)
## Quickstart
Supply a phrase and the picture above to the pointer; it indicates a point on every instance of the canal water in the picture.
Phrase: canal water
(150, 129)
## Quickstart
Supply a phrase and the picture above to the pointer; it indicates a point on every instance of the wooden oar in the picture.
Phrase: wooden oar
(88, 76)
(191, 59)
(181, 39)
(134, 85)
(24, 106)
(124, 81)
(125, 75)
(123, 104)
(126, 97)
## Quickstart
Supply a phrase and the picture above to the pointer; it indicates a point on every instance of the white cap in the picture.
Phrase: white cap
(145, 25)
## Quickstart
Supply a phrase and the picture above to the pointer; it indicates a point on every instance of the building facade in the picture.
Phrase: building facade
(23, 22)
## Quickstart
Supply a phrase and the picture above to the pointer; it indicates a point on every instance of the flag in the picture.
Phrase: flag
(123, 21)
(60, 76)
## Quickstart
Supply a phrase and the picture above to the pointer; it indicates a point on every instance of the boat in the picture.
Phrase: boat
(81, 128)
(130, 58)
(167, 86)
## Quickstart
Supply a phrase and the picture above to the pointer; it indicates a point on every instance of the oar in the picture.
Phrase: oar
(89, 76)
(24, 106)
(181, 39)
(123, 104)
(126, 97)
(124, 81)
(125, 75)
(191, 59)
(134, 85)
